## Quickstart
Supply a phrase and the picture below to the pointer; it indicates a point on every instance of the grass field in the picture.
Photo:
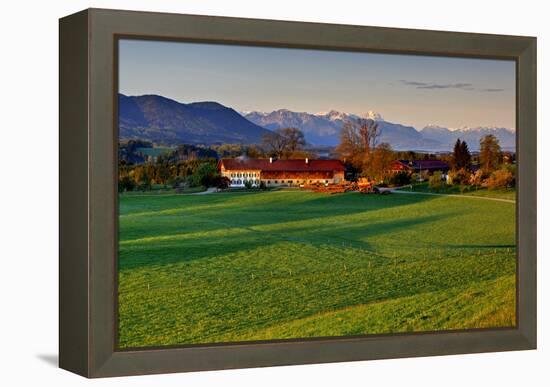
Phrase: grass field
(159, 189)
(504, 193)
(271, 265)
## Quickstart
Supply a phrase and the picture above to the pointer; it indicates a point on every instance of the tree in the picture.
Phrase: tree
(294, 137)
(358, 138)
(254, 152)
(461, 155)
(205, 175)
(369, 132)
(283, 141)
(378, 163)
(351, 147)
(490, 153)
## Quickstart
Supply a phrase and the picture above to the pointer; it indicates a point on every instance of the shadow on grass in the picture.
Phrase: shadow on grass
(182, 248)
(255, 209)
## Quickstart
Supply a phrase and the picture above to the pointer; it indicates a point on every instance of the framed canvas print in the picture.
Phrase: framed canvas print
(242, 193)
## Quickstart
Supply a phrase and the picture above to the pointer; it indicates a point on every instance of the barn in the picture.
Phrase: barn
(273, 172)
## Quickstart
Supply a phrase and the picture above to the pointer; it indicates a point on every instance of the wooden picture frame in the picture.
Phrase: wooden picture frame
(88, 193)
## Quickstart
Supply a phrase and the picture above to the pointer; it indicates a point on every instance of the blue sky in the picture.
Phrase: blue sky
(407, 89)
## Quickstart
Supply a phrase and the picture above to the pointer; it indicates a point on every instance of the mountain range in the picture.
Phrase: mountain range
(447, 137)
(163, 120)
(324, 129)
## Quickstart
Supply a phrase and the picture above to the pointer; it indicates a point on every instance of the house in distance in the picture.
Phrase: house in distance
(292, 172)
(419, 166)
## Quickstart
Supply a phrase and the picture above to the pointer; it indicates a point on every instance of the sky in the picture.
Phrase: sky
(407, 89)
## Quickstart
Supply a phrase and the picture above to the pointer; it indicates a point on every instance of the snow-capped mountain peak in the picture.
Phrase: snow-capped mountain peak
(372, 115)
(334, 115)
(465, 129)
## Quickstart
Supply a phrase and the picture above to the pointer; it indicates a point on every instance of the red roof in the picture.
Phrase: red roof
(283, 165)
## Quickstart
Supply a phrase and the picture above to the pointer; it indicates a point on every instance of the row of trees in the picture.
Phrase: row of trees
(359, 148)
(190, 173)
(490, 154)
(491, 168)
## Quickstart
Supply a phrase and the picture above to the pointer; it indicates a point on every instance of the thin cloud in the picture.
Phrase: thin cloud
(413, 83)
(491, 90)
(445, 86)
(435, 86)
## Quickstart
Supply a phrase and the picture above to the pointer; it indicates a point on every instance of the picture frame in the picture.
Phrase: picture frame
(88, 192)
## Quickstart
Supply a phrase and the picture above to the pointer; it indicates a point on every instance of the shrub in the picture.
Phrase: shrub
(263, 186)
(501, 178)
(460, 176)
(478, 178)
(222, 182)
(126, 184)
(400, 178)
(436, 182)
(145, 186)
(177, 182)
(248, 184)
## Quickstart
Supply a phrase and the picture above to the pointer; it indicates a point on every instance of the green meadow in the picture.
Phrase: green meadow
(234, 267)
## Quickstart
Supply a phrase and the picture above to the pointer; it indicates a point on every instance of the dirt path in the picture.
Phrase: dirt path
(453, 195)
(208, 191)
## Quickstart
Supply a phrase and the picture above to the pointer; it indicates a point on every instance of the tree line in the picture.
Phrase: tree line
(491, 168)
(360, 148)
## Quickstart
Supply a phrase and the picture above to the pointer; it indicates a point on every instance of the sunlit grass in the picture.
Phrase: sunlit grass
(268, 265)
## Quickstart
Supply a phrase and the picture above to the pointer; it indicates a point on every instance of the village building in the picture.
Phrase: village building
(420, 166)
(272, 172)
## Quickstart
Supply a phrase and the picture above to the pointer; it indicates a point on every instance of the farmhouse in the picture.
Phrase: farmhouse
(419, 166)
(273, 172)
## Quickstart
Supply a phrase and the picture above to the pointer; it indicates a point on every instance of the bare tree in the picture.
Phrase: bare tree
(283, 141)
(295, 138)
(357, 140)
(369, 131)
(351, 146)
